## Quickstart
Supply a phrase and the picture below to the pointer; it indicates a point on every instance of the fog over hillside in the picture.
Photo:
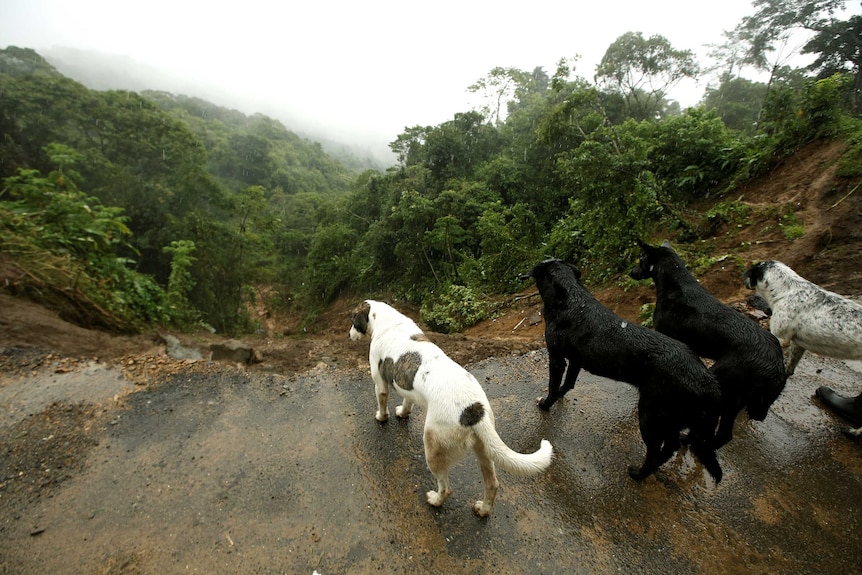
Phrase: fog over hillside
(102, 71)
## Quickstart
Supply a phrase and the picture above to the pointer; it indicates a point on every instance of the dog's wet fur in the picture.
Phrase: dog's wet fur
(748, 360)
(676, 392)
(805, 316)
(458, 416)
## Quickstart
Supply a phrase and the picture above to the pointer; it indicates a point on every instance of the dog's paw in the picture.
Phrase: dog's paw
(480, 509)
(434, 499)
(381, 417)
(401, 412)
(543, 404)
(635, 473)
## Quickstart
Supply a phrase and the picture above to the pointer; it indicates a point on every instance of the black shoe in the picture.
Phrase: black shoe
(849, 408)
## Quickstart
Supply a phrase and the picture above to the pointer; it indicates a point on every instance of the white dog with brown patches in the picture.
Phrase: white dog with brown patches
(457, 413)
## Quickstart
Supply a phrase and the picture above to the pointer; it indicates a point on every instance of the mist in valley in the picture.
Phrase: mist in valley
(355, 147)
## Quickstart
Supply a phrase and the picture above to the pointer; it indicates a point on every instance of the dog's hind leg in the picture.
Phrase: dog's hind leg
(703, 445)
(794, 354)
(381, 389)
(656, 456)
(439, 461)
(483, 507)
(571, 377)
(706, 454)
(661, 444)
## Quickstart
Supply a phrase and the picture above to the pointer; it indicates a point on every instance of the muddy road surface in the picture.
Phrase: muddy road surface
(216, 470)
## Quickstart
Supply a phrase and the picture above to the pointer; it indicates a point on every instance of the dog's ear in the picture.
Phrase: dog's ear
(753, 276)
(575, 270)
(642, 244)
(360, 317)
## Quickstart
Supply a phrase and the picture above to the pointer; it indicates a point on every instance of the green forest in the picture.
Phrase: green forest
(126, 210)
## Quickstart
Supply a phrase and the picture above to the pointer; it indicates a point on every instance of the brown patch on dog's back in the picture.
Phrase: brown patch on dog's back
(472, 415)
(420, 337)
(401, 372)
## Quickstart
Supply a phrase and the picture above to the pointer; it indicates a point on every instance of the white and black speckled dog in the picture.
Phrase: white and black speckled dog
(457, 413)
(676, 390)
(808, 317)
(749, 363)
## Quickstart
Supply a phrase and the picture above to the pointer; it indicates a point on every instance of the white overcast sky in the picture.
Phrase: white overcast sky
(371, 67)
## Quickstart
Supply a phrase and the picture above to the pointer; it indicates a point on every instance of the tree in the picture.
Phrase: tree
(408, 145)
(455, 148)
(615, 197)
(769, 36)
(838, 46)
(644, 71)
(329, 262)
(503, 88)
(737, 101)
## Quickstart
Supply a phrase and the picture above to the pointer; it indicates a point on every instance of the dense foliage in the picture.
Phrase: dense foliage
(166, 208)
(242, 190)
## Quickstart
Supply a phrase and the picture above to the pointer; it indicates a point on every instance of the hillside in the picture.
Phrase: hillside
(829, 209)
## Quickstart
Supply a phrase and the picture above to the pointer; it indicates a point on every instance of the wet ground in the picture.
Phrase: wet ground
(230, 472)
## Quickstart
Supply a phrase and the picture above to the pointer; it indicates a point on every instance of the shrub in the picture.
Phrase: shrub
(66, 243)
(453, 308)
(791, 226)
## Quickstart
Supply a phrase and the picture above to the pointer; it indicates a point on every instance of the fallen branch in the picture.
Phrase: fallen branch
(528, 296)
(845, 197)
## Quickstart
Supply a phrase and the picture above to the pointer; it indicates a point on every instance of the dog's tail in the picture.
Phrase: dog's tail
(510, 460)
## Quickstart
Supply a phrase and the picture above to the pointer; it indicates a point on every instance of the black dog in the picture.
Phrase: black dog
(676, 390)
(749, 363)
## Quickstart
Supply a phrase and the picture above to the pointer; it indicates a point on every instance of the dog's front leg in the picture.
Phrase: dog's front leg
(404, 409)
(794, 354)
(729, 410)
(556, 367)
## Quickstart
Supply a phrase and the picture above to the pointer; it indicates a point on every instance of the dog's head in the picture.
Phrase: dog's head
(362, 321)
(553, 276)
(546, 268)
(650, 258)
(758, 406)
(755, 276)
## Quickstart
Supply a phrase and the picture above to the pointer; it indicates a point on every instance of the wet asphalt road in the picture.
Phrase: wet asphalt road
(240, 473)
